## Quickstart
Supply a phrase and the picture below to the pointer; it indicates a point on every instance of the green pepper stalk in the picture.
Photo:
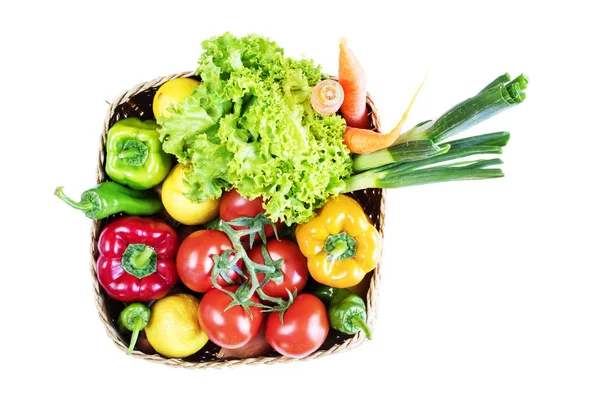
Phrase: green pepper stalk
(347, 311)
(110, 198)
(134, 318)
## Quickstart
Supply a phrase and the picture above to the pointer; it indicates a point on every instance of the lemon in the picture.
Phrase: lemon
(173, 91)
(180, 207)
(173, 329)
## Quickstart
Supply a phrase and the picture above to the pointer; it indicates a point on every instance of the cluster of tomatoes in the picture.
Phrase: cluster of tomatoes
(296, 332)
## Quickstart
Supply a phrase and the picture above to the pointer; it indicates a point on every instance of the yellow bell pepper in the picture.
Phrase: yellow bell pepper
(340, 243)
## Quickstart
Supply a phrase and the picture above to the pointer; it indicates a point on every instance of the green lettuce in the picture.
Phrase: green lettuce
(249, 125)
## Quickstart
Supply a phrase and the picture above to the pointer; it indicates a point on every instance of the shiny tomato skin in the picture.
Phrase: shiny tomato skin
(294, 267)
(304, 329)
(233, 206)
(194, 259)
(232, 328)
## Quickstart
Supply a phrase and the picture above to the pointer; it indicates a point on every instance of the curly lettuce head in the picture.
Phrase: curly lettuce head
(249, 125)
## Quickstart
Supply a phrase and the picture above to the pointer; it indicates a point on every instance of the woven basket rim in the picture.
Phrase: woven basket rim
(372, 294)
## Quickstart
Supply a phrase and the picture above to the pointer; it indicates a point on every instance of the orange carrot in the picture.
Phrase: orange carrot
(352, 78)
(365, 141)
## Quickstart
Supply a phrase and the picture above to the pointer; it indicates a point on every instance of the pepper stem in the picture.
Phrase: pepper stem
(358, 321)
(340, 247)
(134, 153)
(84, 205)
(140, 259)
(134, 318)
(130, 152)
(135, 333)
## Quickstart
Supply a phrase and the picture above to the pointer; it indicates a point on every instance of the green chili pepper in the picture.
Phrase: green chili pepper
(134, 318)
(134, 154)
(347, 311)
(110, 198)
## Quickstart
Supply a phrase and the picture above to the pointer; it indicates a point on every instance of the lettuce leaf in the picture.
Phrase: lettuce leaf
(250, 125)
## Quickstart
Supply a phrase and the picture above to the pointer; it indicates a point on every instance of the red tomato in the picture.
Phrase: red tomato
(294, 269)
(304, 329)
(233, 206)
(194, 259)
(230, 329)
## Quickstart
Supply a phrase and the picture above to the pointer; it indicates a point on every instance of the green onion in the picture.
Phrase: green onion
(407, 151)
(433, 169)
(393, 179)
(424, 149)
(501, 80)
(417, 132)
(489, 139)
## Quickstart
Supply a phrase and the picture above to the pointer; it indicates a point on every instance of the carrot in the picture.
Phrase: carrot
(365, 141)
(352, 78)
(327, 97)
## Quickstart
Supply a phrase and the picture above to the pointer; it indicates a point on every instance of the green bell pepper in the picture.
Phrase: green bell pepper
(134, 154)
(347, 311)
(110, 198)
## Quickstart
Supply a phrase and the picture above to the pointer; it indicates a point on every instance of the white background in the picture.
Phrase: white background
(490, 289)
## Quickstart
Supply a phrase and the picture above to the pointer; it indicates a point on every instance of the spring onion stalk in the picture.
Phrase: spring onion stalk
(433, 169)
(499, 95)
(390, 179)
(501, 80)
(407, 151)
(418, 132)
(489, 139)
(426, 149)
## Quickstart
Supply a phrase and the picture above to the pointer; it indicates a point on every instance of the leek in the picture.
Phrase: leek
(499, 95)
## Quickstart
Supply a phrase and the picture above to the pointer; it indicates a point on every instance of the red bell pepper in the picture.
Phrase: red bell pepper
(137, 258)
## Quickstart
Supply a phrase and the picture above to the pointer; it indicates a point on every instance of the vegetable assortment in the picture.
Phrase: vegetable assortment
(228, 217)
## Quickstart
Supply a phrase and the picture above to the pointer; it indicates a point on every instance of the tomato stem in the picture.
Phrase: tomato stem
(252, 269)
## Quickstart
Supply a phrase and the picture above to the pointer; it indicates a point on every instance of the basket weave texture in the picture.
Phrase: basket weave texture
(137, 102)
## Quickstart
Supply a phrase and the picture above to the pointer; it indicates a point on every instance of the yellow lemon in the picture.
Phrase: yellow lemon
(173, 91)
(174, 330)
(180, 207)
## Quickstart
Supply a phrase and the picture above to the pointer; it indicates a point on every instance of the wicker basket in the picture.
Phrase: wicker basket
(137, 102)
